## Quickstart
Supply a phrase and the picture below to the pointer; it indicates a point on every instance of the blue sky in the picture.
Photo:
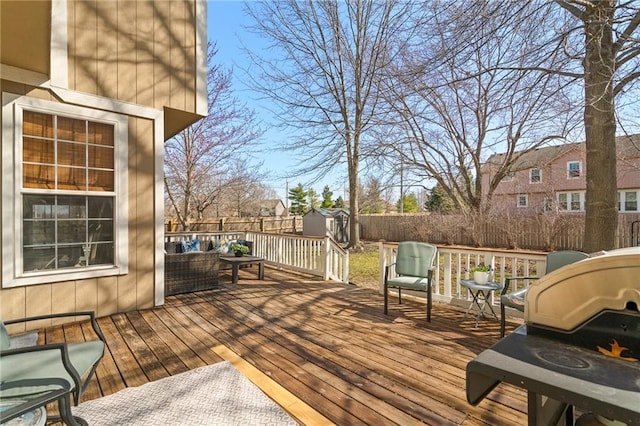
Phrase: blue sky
(225, 26)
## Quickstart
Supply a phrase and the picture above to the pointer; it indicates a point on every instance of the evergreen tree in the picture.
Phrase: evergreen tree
(440, 201)
(298, 198)
(409, 203)
(313, 201)
(339, 204)
(327, 203)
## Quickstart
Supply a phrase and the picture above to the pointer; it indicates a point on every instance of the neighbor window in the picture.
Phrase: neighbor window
(628, 201)
(574, 169)
(535, 176)
(571, 201)
(522, 201)
(69, 196)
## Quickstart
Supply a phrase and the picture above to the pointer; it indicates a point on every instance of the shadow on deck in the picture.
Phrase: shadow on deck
(324, 351)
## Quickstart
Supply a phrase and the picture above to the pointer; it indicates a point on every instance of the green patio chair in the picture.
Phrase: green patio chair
(414, 267)
(32, 374)
(515, 299)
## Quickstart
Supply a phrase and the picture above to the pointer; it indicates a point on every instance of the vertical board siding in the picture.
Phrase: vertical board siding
(107, 49)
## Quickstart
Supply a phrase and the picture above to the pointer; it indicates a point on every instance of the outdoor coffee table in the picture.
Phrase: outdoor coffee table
(481, 294)
(237, 261)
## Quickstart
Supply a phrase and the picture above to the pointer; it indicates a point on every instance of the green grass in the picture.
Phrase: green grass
(363, 266)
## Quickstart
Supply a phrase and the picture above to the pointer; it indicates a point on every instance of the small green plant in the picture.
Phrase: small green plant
(235, 247)
(481, 268)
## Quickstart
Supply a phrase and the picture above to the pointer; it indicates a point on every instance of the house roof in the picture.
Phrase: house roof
(626, 147)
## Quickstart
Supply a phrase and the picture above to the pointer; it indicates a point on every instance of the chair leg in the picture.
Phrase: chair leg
(429, 303)
(502, 323)
(399, 296)
(385, 297)
(64, 406)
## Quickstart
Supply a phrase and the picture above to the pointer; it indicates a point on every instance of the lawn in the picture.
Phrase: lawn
(363, 266)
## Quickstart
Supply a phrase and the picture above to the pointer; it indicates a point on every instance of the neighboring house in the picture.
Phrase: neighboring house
(554, 179)
(265, 208)
(330, 222)
(90, 92)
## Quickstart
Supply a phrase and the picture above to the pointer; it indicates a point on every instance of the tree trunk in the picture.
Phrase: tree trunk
(600, 130)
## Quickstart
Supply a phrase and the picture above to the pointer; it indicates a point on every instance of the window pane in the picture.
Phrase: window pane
(38, 151)
(38, 207)
(574, 169)
(100, 157)
(100, 207)
(101, 230)
(562, 201)
(101, 180)
(72, 231)
(72, 178)
(71, 129)
(100, 134)
(39, 232)
(71, 154)
(70, 256)
(37, 124)
(36, 176)
(71, 208)
(38, 258)
(630, 201)
(575, 201)
(101, 254)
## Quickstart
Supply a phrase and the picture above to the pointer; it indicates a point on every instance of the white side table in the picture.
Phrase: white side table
(481, 294)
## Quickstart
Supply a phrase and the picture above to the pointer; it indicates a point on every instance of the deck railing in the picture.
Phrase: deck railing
(319, 256)
(454, 263)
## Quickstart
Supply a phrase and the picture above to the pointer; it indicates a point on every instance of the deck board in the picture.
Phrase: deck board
(322, 347)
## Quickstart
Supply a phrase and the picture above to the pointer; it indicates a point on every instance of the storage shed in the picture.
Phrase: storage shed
(331, 222)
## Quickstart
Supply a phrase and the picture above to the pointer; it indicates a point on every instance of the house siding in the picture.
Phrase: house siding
(140, 54)
(554, 180)
(104, 295)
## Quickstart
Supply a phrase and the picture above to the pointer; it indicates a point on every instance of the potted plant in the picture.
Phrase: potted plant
(481, 273)
(239, 249)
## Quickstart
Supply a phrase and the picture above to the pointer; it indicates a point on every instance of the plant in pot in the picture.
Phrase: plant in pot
(239, 249)
(481, 273)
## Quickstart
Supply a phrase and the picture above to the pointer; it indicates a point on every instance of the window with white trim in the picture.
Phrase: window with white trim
(535, 176)
(571, 201)
(522, 201)
(628, 201)
(574, 169)
(68, 208)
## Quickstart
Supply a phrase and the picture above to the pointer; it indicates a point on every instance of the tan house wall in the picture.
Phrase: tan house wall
(142, 52)
(146, 56)
(105, 295)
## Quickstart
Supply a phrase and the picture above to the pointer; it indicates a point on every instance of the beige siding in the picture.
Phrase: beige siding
(109, 294)
(142, 52)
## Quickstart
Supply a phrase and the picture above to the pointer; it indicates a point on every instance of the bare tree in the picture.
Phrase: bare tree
(454, 101)
(609, 54)
(327, 58)
(201, 160)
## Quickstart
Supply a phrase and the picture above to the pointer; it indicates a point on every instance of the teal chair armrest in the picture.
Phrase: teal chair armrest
(507, 283)
(90, 314)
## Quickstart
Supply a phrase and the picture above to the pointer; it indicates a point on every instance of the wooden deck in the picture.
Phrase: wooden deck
(324, 351)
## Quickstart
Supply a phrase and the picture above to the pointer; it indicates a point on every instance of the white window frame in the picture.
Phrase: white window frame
(622, 200)
(531, 175)
(569, 163)
(521, 197)
(12, 274)
(581, 195)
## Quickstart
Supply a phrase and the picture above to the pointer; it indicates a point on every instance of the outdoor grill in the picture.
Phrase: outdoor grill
(579, 346)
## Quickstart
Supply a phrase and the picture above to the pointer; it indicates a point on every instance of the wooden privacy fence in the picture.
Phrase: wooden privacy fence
(286, 224)
(541, 232)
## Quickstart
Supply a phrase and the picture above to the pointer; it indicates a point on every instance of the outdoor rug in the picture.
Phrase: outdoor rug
(213, 395)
